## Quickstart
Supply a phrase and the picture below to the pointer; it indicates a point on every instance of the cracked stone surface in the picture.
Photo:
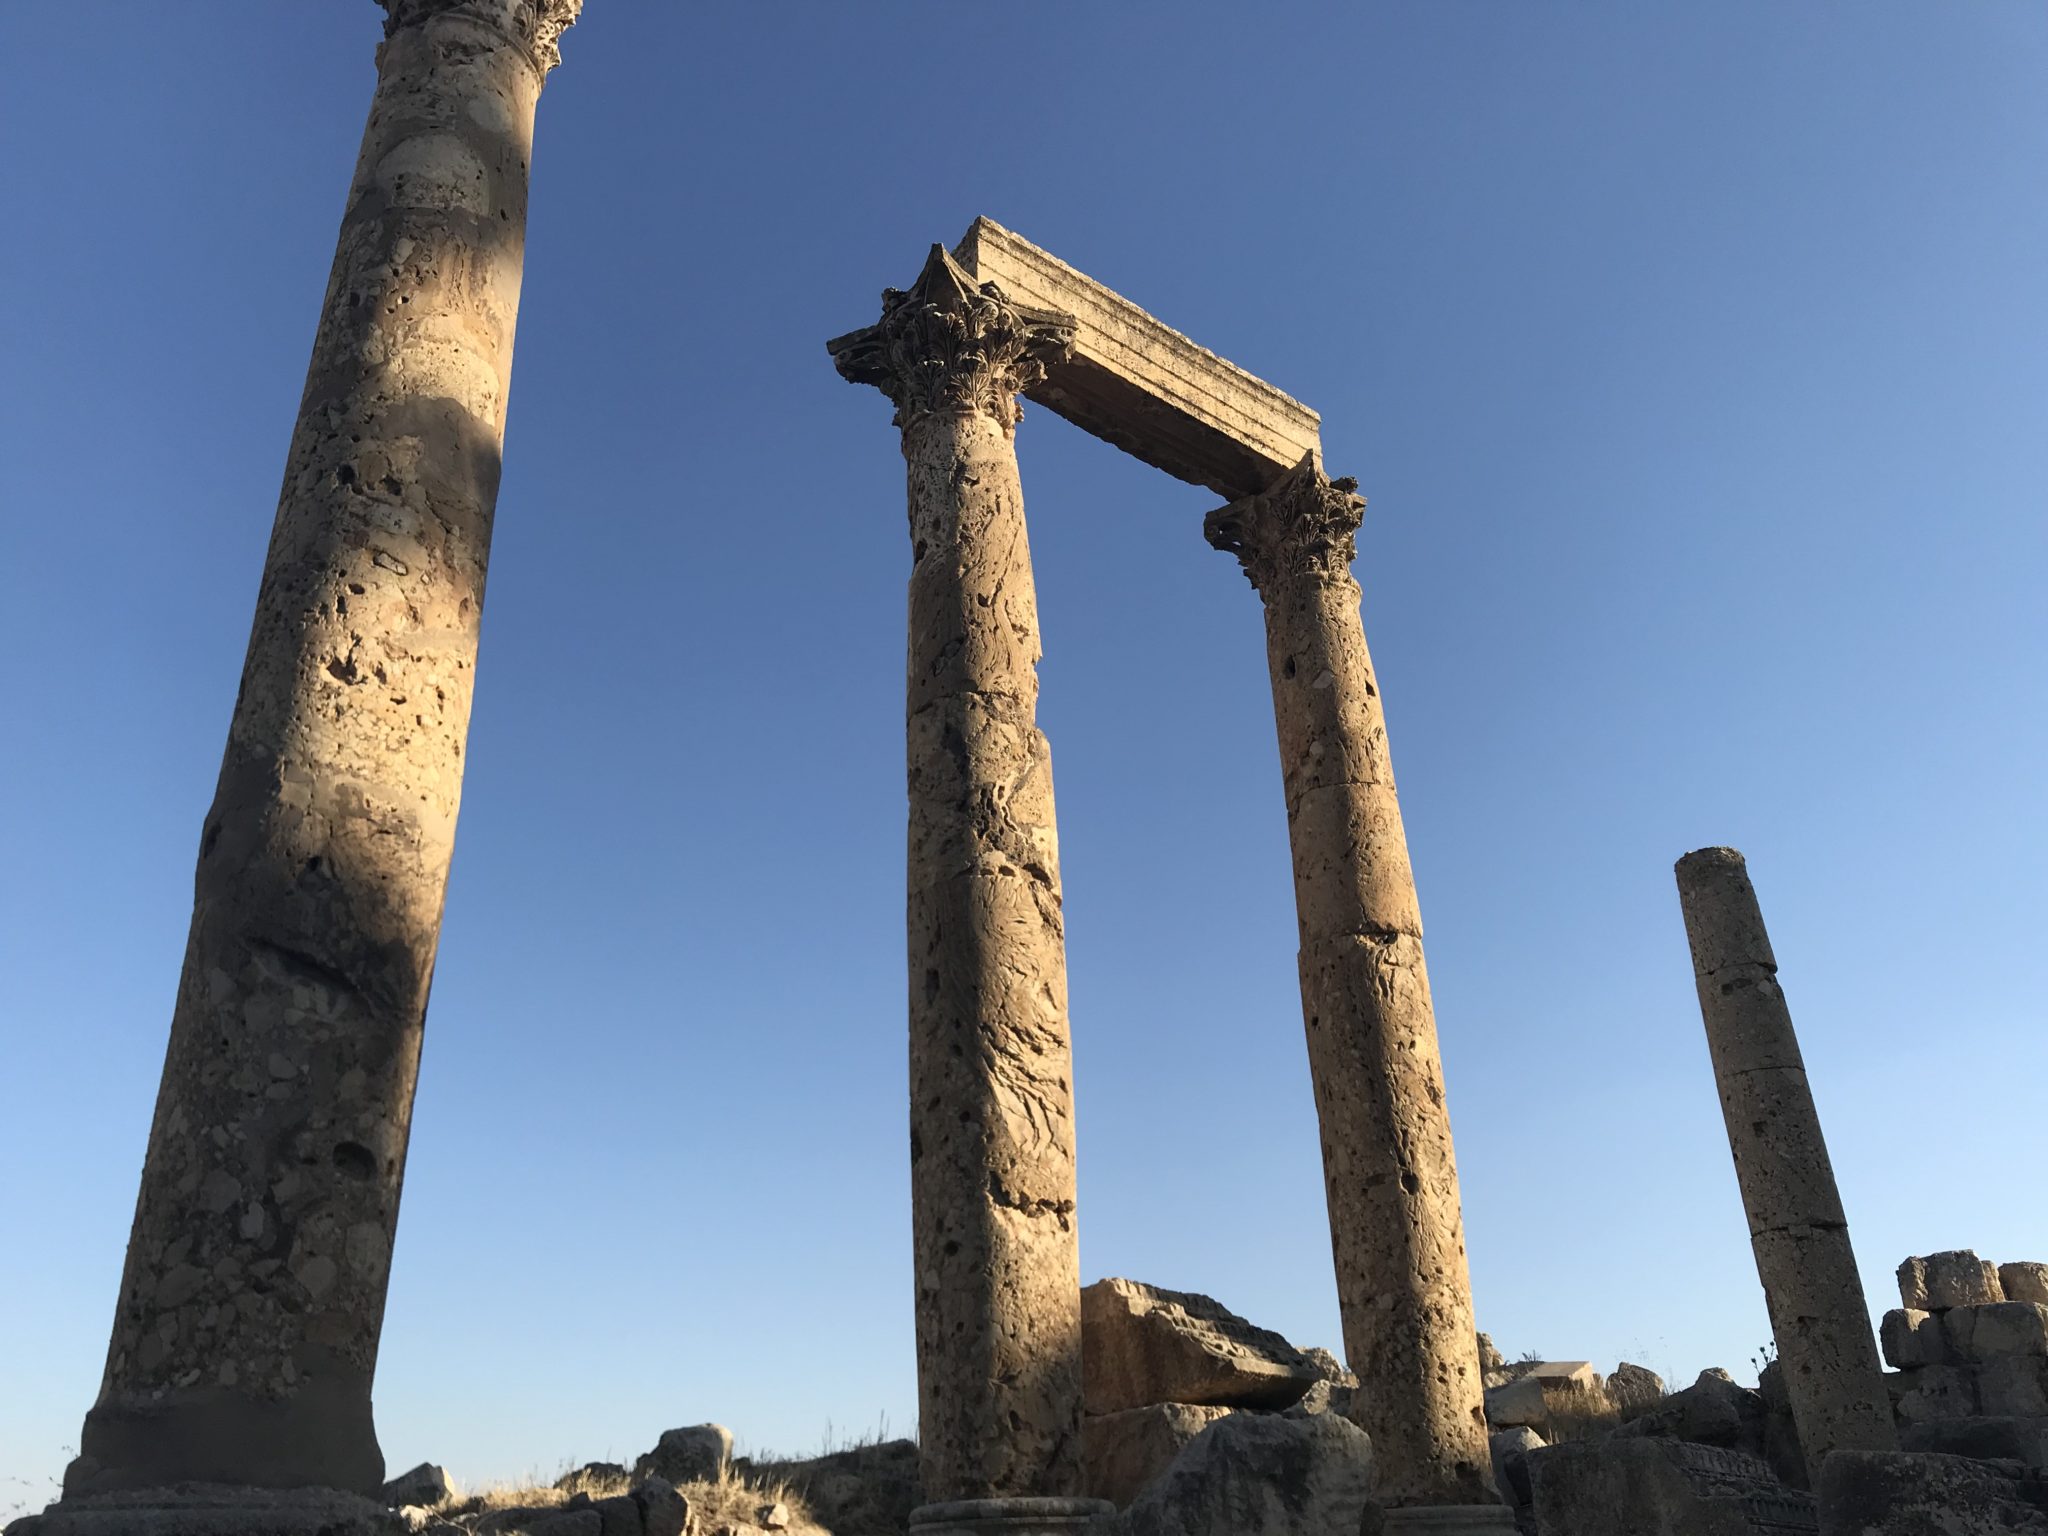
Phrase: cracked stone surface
(1396, 1226)
(1797, 1227)
(246, 1330)
(992, 1117)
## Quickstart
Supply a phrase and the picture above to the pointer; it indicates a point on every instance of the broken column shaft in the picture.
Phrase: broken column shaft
(1796, 1224)
(246, 1330)
(991, 1112)
(1395, 1222)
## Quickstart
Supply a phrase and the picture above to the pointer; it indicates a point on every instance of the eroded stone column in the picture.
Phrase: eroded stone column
(246, 1330)
(1796, 1223)
(1395, 1224)
(991, 1112)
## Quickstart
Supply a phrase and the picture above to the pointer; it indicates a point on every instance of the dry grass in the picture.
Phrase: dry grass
(1578, 1416)
(736, 1498)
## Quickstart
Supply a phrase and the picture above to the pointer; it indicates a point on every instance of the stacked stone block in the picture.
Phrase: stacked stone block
(1970, 1340)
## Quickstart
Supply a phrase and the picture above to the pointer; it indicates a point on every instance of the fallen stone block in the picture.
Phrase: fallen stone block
(1955, 1278)
(1654, 1487)
(1715, 1410)
(1252, 1474)
(1510, 1449)
(1123, 1453)
(2010, 1328)
(2021, 1439)
(663, 1509)
(2024, 1282)
(2013, 1385)
(1911, 1338)
(697, 1453)
(1519, 1404)
(425, 1484)
(1914, 1493)
(1634, 1389)
(1142, 1345)
(1938, 1392)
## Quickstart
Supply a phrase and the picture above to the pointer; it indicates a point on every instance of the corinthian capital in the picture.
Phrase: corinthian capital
(1299, 526)
(949, 343)
(536, 25)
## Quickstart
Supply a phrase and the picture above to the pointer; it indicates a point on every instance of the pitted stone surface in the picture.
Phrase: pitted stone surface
(1392, 1180)
(1257, 1474)
(1797, 1228)
(1124, 1453)
(246, 1329)
(1141, 1344)
(992, 1119)
(1646, 1487)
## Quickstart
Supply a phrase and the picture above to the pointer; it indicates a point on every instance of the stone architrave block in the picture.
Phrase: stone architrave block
(2010, 1328)
(2013, 1386)
(1255, 1474)
(1142, 1345)
(1123, 1453)
(1908, 1493)
(1911, 1339)
(1646, 1487)
(1940, 1392)
(2024, 1282)
(1958, 1278)
(1142, 386)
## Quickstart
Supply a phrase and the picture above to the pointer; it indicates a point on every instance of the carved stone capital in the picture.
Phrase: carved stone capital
(536, 25)
(949, 343)
(1302, 525)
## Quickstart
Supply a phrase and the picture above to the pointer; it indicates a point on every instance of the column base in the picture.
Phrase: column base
(1014, 1517)
(1449, 1520)
(215, 1509)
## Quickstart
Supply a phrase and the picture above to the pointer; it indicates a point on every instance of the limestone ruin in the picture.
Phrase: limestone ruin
(236, 1396)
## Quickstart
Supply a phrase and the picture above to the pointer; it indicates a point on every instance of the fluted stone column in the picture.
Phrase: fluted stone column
(991, 1099)
(246, 1331)
(1796, 1224)
(1395, 1224)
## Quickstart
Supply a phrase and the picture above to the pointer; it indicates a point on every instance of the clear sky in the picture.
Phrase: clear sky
(1694, 360)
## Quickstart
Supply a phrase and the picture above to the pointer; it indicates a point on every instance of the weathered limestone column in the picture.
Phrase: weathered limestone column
(1395, 1222)
(246, 1330)
(991, 1100)
(1796, 1224)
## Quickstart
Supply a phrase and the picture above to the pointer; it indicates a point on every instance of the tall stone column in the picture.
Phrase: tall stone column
(991, 1098)
(246, 1330)
(1796, 1224)
(1395, 1224)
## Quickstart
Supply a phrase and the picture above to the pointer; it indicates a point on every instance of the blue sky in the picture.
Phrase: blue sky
(1694, 361)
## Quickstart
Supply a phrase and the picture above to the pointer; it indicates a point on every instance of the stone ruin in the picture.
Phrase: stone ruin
(236, 1395)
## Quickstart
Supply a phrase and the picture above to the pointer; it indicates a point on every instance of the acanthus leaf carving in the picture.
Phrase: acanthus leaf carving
(1303, 525)
(948, 343)
(536, 25)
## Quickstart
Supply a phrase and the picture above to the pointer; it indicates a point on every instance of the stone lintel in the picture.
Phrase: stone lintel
(1142, 386)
